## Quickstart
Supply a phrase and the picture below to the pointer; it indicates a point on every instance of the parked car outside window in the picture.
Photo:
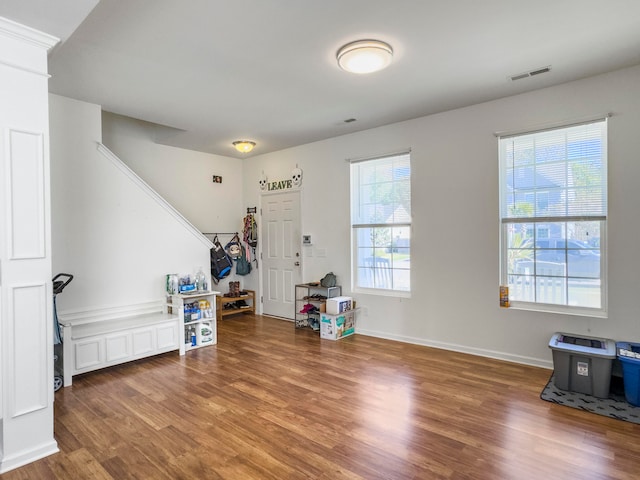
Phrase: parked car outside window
(580, 258)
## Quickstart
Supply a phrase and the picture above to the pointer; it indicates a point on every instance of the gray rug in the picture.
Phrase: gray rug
(615, 406)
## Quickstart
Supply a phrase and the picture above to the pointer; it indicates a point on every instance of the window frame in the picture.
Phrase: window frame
(356, 226)
(538, 223)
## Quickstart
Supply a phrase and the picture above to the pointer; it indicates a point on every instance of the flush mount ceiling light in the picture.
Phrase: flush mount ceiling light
(364, 56)
(244, 146)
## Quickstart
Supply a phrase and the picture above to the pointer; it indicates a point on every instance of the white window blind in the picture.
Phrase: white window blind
(566, 164)
(553, 208)
(381, 222)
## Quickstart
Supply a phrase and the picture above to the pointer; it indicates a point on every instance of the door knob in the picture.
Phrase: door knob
(297, 264)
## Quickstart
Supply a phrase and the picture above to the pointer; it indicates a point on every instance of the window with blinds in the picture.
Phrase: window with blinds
(381, 223)
(553, 209)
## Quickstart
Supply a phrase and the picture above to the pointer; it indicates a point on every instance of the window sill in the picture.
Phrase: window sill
(559, 309)
(382, 292)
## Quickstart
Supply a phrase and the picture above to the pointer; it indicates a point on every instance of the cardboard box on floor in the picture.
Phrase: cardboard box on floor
(335, 327)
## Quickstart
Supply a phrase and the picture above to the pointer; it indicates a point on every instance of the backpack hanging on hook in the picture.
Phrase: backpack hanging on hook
(220, 262)
(243, 265)
(233, 247)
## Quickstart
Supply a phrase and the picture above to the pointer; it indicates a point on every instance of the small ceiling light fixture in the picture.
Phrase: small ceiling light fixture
(364, 56)
(244, 146)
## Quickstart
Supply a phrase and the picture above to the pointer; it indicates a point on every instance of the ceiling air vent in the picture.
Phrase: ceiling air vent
(531, 73)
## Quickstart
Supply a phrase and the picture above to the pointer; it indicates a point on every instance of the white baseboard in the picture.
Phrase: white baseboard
(26, 457)
(536, 362)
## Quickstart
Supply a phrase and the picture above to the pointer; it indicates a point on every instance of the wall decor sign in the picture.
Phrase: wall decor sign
(294, 181)
(280, 185)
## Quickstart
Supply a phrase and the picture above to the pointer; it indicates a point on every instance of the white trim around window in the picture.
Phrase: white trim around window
(381, 225)
(553, 211)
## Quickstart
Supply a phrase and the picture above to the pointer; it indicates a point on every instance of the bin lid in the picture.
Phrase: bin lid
(592, 346)
(628, 350)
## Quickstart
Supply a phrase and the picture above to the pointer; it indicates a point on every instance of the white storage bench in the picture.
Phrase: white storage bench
(91, 345)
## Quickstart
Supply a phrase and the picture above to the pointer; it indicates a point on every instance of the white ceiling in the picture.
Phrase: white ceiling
(216, 71)
(58, 18)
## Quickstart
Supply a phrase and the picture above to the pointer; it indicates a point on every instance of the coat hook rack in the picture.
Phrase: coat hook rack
(252, 210)
(220, 233)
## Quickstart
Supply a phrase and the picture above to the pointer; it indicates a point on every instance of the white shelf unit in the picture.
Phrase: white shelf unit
(197, 328)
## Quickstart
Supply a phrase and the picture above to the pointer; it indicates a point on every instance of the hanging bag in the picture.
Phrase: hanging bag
(243, 265)
(250, 234)
(220, 262)
(233, 247)
(250, 231)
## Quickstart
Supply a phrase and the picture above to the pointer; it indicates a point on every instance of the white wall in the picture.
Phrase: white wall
(183, 177)
(112, 236)
(455, 268)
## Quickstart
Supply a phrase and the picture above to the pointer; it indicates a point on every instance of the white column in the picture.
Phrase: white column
(26, 321)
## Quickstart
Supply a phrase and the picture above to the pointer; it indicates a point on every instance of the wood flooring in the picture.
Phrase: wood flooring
(272, 402)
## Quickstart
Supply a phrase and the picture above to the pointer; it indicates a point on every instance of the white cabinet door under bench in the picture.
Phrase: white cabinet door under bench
(100, 344)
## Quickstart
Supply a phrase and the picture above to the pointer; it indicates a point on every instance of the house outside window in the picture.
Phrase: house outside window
(381, 224)
(553, 208)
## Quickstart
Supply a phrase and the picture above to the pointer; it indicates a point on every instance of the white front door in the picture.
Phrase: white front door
(281, 253)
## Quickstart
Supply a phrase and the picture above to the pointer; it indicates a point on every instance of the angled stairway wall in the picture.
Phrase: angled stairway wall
(109, 228)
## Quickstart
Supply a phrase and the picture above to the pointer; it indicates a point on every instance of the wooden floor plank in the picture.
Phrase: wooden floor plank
(274, 402)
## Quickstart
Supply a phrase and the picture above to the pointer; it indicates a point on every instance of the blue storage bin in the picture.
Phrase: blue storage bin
(629, 356)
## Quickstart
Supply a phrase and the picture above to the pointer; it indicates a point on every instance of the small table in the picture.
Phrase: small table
(250, 298)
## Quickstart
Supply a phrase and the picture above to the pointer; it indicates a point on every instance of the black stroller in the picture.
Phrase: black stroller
(58, 369)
